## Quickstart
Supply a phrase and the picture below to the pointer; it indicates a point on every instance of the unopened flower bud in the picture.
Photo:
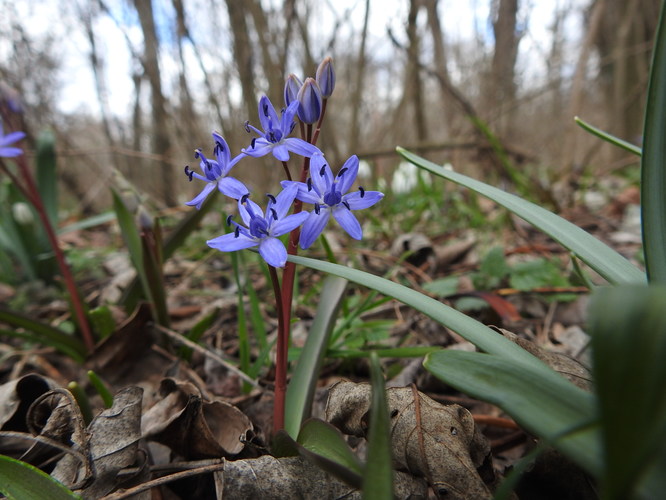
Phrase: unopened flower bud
(326, 77)
(291, 88)
(309, 97)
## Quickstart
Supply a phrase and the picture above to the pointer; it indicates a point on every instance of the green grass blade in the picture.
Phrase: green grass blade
(627, 146)
(378, 474)
(628, 330)
(603, 259)
(47, 176)
(301, 389)
(653, 169)
(541, 402)
(22, 481)
(323, 439)
(42, 333)
(477, 333)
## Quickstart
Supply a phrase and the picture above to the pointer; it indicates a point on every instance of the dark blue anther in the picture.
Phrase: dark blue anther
(341, 172)
(309, 184)
(265, 109)
(189, 172)
(346, 204)
(291, 128)
(362, 191)
(247, 126)
(316, 208)
(252, 143)
(322, 172)
(244, 198)
(237, 232)
(271, 197)
(274, 213)
(229, 218)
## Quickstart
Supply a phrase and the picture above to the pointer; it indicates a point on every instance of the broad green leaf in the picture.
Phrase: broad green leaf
(22, 481)
(628, 329)
(603, 259)
(42, 333)
(323, 445)
(653, 171)
(540, 401)
(477, 333)
(301, 389)
(323, 439)
(627, 146)
(378, 474)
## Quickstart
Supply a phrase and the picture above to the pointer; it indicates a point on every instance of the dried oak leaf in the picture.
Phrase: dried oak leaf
(273, 478)
(193, 427)
(438, 442)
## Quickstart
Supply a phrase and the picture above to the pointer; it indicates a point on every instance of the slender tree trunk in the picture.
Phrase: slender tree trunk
(502, 84)
(414, 83)
(357, 90)
(440, 63)
(243, 55)
(161, 142)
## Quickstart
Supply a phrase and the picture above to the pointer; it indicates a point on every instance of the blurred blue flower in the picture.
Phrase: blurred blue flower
(291, 88)
(7, 151)
(274, 137)
(215, 173)
(327, 194)
(309, 96)
(262, 229)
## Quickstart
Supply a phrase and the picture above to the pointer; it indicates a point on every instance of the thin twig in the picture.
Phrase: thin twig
(211, 355)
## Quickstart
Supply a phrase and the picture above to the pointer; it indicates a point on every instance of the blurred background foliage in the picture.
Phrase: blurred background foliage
(496, 99)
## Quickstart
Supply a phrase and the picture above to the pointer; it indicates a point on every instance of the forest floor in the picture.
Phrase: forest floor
(189, 408)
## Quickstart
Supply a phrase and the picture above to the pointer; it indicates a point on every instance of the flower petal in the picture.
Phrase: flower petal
(321, 183)
(288, 223)
(300, 147)
(349, 176)
(358, 202)
(221, 151)
(313, 226)
(198, 200)
(11, 138)
(273, 251)
(230, 243)
(261, 147)
(348, 222)
(9, 152)
(233, 188)
(281, 151)
(284, 200)
(267, 115)
(288, 118)
(245, 213)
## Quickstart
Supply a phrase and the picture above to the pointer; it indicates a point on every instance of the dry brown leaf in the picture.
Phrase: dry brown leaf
(195, 428)
(438, 442)
(271, 478)
(17, 396)
(568, 367)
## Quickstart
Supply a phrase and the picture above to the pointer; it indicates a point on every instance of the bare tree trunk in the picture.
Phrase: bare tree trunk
(414, 83)
(357, 90)
(243, 54)
(440, 63)
(272, 71)
(161, 142)
(502, 84)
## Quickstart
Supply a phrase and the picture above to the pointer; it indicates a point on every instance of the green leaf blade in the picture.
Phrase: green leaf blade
(653, 173)
(22, 481)
(607, 262)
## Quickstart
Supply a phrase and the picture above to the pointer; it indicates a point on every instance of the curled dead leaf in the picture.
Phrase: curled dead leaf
(193, 427)
(438, 442)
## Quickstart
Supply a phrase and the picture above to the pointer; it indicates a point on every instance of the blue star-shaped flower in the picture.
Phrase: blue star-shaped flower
(274, 137)
(327, 194)
(7, 151)
(215, 173)
(262, 230)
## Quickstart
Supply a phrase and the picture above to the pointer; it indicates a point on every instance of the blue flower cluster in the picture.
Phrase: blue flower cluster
(328, 194)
